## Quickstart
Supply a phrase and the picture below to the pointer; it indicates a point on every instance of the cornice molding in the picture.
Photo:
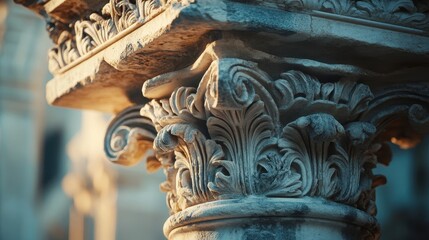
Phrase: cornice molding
(81, 37)
(398, 12)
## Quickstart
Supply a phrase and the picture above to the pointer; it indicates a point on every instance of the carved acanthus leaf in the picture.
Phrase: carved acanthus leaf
(401, 12)
(302, 94)
(330, 161)
(196, 158)
(305, 143)
(275, 177)
(63, 53)
(92, 33)
(123, 13)
(246, 135)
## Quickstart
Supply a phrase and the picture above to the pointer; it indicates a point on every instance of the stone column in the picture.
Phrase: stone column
(3, 14)
(267, 117)
(90, 183)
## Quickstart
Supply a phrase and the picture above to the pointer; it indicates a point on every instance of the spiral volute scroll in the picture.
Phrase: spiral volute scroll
(128, 138)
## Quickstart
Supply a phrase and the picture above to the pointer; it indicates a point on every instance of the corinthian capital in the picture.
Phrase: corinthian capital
(246, 129)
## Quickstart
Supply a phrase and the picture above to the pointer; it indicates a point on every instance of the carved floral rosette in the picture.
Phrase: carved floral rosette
(243, 132)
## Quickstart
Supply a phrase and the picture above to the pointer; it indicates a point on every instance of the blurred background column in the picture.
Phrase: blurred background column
(91, 183)
(21, 112)
(32, 136)
(403, 202)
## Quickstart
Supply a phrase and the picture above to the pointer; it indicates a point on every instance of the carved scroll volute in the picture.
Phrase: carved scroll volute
(400, 113)
(129, 137)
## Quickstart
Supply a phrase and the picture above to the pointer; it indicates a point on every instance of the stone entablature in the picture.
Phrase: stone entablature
(119, 15)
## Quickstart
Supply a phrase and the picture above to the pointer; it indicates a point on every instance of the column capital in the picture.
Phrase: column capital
(255, 127)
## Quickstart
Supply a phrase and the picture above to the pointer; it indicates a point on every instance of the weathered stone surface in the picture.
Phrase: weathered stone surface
(68, 10)
(271, 218)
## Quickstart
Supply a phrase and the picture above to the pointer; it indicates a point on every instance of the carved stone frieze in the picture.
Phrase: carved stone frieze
(89, 33)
